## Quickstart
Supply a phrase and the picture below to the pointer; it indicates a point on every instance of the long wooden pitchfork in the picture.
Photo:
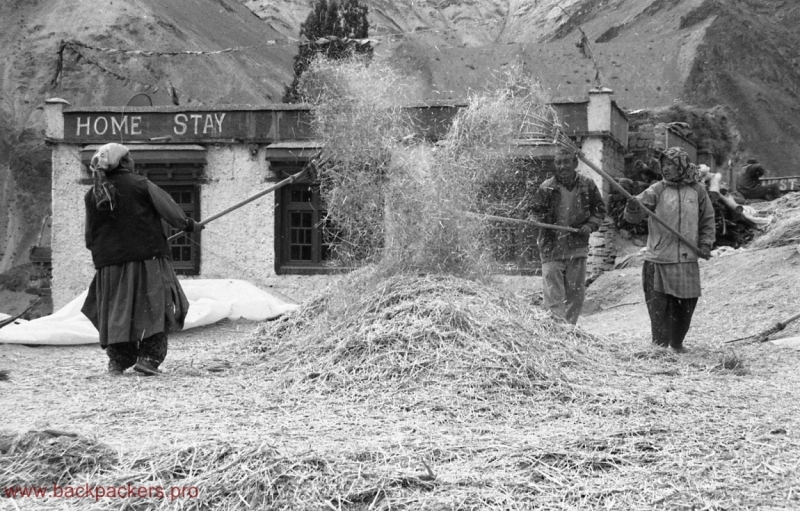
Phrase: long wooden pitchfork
(765, 335)
(523, 222)
(280, 184)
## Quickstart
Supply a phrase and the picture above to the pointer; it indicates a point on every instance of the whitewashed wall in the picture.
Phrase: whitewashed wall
(239, 245)
(72, 261)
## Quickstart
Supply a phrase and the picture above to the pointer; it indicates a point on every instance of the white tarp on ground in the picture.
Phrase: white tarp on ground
(210, 300)
(792, 342)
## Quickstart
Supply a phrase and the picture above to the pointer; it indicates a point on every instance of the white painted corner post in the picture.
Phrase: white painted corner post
(71, 262)
(54, 118)
(599, 118)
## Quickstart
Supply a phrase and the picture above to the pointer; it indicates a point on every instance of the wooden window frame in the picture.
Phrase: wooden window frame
(193, 266)
(284, 265)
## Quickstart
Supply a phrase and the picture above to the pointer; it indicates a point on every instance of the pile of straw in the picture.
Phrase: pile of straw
(785, 230)
(417, 331)
(47, 457)
(212, 475)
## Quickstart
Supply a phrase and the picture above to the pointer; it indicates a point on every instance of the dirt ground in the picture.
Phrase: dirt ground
(721, 423)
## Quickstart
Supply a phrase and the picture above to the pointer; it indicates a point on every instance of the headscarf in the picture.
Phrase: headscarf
(687, 171)
(107, 158)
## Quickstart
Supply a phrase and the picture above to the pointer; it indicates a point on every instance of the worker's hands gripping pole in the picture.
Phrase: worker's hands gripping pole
(548, 128)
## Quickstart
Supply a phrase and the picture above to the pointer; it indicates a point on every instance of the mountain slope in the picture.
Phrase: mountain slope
(35, 65)
(740, 56)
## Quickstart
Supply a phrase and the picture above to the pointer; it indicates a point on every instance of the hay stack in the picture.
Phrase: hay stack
(786, 228)
(417, 331)
(41, 458)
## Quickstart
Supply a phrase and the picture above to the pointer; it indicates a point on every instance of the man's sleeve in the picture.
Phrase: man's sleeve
(167, 208)
(707, 228)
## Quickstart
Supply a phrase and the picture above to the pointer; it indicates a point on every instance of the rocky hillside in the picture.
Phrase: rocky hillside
(36, 64)
(740, 55)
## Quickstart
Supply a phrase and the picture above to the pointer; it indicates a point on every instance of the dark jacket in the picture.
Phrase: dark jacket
(132, 231)
(750, 177)
(591, 211)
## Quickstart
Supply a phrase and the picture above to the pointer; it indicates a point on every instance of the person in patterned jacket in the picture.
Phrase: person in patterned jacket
(671, 273)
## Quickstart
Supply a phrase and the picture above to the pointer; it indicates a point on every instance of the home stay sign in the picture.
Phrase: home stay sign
(168, 124)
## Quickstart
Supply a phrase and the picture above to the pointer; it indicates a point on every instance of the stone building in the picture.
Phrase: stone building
(209, 158)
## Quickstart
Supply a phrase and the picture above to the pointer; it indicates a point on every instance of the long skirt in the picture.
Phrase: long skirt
(133, 301)
(670, 316)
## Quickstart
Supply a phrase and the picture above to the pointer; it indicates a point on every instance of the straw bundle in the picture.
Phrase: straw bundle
(786, 228)
(420, 331)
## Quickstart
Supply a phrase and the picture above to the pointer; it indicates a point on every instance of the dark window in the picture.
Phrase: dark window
(186, 247)
(303, 246)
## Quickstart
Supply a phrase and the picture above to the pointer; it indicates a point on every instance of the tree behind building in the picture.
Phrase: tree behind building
(346, 21)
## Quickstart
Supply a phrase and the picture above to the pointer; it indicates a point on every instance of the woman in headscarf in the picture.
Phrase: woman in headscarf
(135, 299)
(671, 273)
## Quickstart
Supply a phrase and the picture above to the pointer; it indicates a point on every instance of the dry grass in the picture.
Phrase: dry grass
(630, 427)
(394, 198)
(423, 331)
(785, 230)
(46, 457)
(617, 425)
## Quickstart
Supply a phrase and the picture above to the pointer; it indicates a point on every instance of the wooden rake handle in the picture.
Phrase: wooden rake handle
(289, 180)
(624, 192)
(525, 222)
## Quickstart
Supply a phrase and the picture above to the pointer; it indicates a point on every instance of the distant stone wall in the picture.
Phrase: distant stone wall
(602, 253)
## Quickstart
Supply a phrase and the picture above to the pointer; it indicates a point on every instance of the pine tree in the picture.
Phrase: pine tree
(342, 19)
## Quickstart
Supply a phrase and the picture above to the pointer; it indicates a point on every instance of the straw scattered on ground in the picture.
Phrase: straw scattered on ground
(785, 228)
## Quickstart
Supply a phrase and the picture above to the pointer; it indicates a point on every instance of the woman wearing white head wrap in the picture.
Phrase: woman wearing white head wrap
(135, 299)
